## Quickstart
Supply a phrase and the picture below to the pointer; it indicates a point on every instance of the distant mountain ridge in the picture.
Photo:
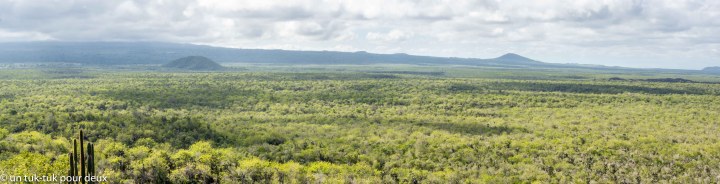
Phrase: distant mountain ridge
(158, 53)
(121, 53)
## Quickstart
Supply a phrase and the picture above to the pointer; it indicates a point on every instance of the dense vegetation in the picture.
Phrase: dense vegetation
(357, 127)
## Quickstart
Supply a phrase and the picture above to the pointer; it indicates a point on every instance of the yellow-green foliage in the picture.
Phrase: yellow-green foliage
(363, 128)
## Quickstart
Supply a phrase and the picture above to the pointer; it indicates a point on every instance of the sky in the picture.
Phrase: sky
(681, 34)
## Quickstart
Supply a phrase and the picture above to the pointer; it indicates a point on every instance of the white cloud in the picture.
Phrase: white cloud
(392, 36)
(589, 31)
(23, 36)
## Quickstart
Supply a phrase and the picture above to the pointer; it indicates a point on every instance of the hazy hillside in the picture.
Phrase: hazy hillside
(715, 69)
(156, 53)
(115, 53)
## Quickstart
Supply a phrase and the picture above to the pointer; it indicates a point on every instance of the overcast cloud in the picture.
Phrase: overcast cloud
(635, 33)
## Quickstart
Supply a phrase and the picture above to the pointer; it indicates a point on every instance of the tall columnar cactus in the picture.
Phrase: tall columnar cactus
(82, 158)
(91, 159)
(85, 158)
(71, 171)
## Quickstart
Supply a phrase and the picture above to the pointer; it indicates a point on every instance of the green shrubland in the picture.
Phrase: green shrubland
(356, 127)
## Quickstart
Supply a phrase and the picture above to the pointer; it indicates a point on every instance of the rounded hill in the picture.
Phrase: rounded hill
(194, 63)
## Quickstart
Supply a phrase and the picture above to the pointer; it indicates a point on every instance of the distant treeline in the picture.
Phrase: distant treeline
(671, 80)
(410, 72)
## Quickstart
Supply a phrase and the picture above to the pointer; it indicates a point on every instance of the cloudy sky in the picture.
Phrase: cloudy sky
(635, 33)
